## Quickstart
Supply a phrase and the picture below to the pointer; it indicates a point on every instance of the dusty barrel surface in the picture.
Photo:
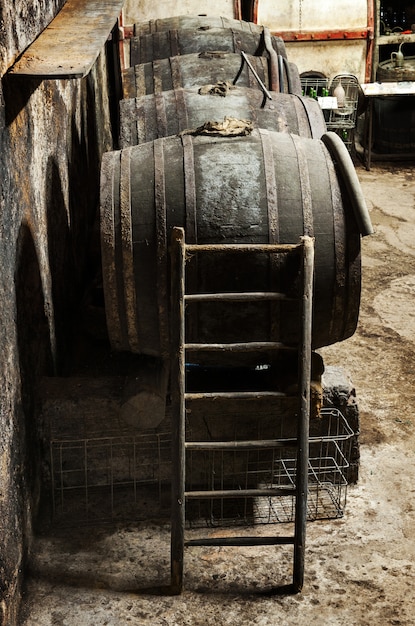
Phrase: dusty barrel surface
(204, 68)
(164, 44)
(266, 187)
(202, 22)
(171, 112)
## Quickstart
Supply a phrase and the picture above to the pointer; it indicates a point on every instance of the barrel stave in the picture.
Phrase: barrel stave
(267, 187)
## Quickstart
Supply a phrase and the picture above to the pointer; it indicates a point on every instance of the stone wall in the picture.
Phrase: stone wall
(52, 135)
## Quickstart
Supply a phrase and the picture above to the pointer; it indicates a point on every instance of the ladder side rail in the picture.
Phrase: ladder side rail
(178, 409)
(304, 364)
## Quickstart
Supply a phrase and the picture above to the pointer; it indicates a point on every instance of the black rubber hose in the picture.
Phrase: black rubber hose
(341, 156)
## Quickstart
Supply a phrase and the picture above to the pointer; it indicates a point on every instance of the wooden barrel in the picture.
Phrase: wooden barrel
(195, 70)
(387, 72)
(164, 44)
(261, 188)
(171, 112)
(202, 22)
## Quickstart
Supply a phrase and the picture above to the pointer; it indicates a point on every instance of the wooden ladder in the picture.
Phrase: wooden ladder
(181, 252)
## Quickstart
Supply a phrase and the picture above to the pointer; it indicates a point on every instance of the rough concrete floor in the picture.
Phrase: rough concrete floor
(359, 569)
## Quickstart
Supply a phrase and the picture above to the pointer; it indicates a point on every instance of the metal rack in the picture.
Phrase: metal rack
(101, 479)
(329, 454)
(341, 120)
(297, 486)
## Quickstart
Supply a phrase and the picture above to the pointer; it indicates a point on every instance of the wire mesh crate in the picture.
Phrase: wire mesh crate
(109, 478)
(329, 454)
(127, 477)
(341, 117)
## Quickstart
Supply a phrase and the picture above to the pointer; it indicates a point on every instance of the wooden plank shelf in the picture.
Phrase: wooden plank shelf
(72, 42)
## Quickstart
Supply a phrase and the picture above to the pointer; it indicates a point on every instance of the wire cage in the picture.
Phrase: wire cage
(340, 119)
(100, 479)
(329, 455)
(127, 477)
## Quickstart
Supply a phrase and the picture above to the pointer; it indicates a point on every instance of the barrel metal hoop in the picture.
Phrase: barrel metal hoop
(174, 43)
(175, 72)
(236, 40)
(139, 80)
(181, 108)
(271, 186)
(190, 222)
(161, 243)
(161, 115)
(108, 247)
(304, 124)
(340, 252)
(130, 297)
(317, 125)
(304, 176)
(140, 123)
(273, 227)
(157, 77)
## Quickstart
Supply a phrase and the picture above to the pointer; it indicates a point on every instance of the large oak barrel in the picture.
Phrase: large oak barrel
(265, 187)
(195, 70)
(202, 22)
(164, 44)
(171, 112)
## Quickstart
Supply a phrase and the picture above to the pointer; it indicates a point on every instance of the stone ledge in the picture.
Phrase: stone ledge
(70, 45)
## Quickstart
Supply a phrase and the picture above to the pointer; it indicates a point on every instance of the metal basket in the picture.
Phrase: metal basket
(127, 477)
(330, 450)
(341, 120)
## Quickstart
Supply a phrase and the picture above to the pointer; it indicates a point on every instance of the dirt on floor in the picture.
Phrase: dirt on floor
(360, 569)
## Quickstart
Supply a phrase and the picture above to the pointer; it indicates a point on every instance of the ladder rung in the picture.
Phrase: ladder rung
(250, 445)
(240, 493)
(235, 395)
(238, 297)
(242, 247)
(252, 346)
(240, 541)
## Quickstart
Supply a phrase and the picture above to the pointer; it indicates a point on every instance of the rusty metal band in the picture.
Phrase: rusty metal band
(190, 223)
(270, 185)
(140, 122)
(302, 116)
(156, 41)
(252, 103)
(305, 186)
(237, 44)
(174, 43)
(157, 76)
(108, 247)
(189, 189)
(181, 109)
(336, 328)
(273, 226)
(140, 80)
(161, 115)
(315, 117)
(176, 75)
(161, 244)
(130, 298)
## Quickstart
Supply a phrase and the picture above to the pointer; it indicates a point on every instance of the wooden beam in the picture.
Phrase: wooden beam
(70, 45)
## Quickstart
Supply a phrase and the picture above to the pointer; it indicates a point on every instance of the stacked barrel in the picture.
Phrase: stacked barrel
(217, 138)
